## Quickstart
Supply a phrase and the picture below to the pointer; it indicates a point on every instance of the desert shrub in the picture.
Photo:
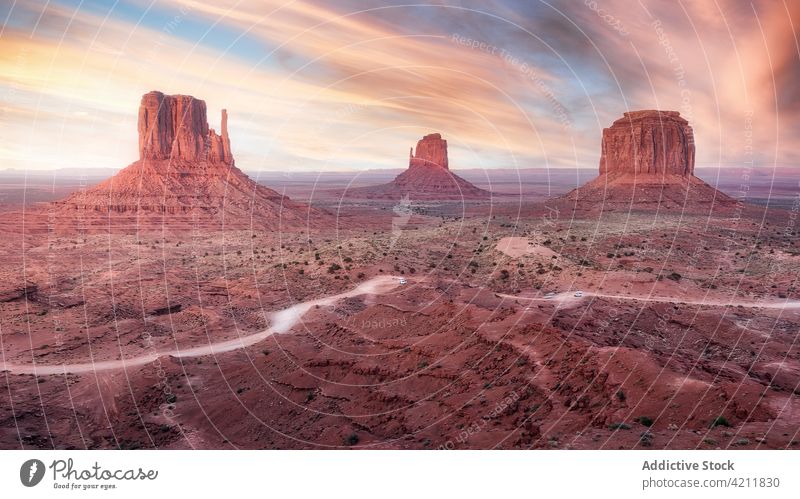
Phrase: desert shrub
(675, 276)
(619, 426)
(333, 268)
(645, 420)
(720, 421)
(352, 439)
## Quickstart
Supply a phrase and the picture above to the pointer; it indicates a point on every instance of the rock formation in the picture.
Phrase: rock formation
(431, 151)
(220, 145)
(658, 142)
(175, 127)
(428, 177)
(647, 162)
(185, 176)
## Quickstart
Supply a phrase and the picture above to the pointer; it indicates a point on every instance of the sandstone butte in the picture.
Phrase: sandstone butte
(185, 177)
(428, 177)
(431, 151)
(647, 161)
(175, 127)
(648, 142)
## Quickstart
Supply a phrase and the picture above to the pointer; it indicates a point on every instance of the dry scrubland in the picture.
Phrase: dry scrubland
(468, 354)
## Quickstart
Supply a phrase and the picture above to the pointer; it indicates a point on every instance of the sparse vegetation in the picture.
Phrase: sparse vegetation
(720, 421)
(352, 439)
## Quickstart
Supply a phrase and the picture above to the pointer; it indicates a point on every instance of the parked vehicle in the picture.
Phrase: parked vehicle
(578, 294)
(403, 281)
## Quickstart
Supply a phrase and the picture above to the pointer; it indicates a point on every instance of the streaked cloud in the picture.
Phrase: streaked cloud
(334, 85)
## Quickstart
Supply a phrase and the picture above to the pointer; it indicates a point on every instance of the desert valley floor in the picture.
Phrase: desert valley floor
(666, 329)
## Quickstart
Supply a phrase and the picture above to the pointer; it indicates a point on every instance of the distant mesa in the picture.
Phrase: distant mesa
(647, 161)
(185, 175)
(428, 177)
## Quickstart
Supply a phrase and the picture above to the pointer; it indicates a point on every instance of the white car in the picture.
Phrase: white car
(403, 281)
(578, 294)
(549, 295)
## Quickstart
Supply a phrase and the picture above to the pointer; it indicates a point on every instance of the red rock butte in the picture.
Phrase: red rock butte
(658, 142)
(175, 127)
(185, 177)
(428, 177)
(647, 162)
(431, 151)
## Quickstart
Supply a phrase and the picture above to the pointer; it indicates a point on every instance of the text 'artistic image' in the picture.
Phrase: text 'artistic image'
(459, 225)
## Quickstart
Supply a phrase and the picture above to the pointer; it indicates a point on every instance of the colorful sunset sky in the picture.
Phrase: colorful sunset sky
(351, 85)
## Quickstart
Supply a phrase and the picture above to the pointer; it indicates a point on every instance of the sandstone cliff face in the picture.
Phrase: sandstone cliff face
(175, 127)
(648, 142)
(431, 151)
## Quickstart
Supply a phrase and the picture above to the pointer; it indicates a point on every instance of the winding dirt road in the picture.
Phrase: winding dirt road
(281, 322)
(569, 296)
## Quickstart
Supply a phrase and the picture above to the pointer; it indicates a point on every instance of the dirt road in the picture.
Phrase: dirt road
(281, 322)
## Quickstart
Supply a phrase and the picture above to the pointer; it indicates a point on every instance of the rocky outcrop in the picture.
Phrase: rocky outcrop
(647, 164)
(220, 145)
(175, 127)
(185, 177)
(431, 151)
(16, 292)
(644, 142)
(428, 177)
